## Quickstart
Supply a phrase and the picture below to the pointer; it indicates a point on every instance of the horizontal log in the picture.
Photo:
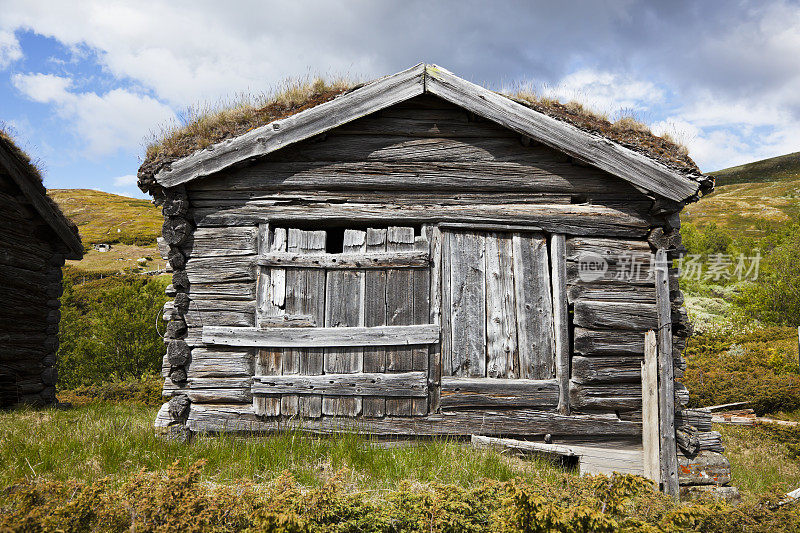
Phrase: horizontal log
(613, 369)
(406, 384)
(528, 422)
(606, 397)
(615, 315)
(221, 269)
(227, 389)
(287, 321)
(465, 393)
(618, 291)
(322, 337)
(573, 219)
(611, 250)
(697, 418)
(223, 291)
(211, 242)
(368, 260)
(608, 342)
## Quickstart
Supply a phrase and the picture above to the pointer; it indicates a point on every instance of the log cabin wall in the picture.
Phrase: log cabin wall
(448, 177)
(31, 257)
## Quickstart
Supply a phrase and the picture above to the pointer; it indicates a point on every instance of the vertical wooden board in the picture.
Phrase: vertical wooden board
(666, 379)
(650, 426)
(295, 293)
(344, 306)
(502, 354)
(313, 303)
(399, 312)
(534, 306)
(446, 309)
(375, 315)
(268, 361)
(435, 317)
(467, 305)
(558, 280)
(420, 315)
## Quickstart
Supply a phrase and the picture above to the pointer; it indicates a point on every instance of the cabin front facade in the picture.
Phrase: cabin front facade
(35, 239)
(422, 256)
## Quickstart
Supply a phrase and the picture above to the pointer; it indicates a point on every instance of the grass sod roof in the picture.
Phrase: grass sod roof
(215, 125)
(33, 175)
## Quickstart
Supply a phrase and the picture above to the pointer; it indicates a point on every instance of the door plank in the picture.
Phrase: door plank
(375, 315)
(399, 312)
(502, 353)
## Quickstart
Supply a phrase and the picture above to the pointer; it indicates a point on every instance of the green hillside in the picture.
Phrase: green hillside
(783, 167)
(130, 225)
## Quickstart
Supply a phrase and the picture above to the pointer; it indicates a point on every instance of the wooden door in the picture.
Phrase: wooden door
(498, 342)
(340, 334)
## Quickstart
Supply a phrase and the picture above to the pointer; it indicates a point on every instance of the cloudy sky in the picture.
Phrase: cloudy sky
(83, 84)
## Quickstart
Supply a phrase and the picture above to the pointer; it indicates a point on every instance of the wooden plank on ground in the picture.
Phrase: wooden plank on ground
(534, 307)
(502, 352)
(344, 307)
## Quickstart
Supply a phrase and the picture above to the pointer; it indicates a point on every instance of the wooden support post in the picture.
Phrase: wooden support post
(666, 382)
(561, 318)
(650, 427)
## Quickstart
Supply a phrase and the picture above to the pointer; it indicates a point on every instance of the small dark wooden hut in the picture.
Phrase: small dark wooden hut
(35, 238)
(422, 256)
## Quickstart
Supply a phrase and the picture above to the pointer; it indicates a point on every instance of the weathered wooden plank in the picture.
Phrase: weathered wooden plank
(619, 291)
(261, 141)
(607, 369)
(322, 337)
(420, 311)
(344, 307)
(529, 422)
(435, 317)
(375, 315)
(666, 383)
(449, 363)
(213, 242)
(220, 362)
(312, 363)
(591, 148)
(575, 219)
(399, 311)
(706, 468)
(558, 281)
(650, 425)
(221, 269)
(698, 418)
(466, 393)
(362, 261)
(223, 291)
(293, 303)
(212, 390)
(268, 360)
(619, 397)
(615, 315)
(404, 384)
(502, 351)
(608, 342)
(467, 305)
(611, 250)
(534, 307)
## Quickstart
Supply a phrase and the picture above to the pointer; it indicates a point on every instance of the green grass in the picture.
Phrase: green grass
(109, 218)
(775, 168)
(102, 439)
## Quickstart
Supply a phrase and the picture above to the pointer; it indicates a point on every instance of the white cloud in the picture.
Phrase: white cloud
(125, 181)
(10, 50)
(117, 120)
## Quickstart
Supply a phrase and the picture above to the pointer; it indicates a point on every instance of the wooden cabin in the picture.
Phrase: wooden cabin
(421, 256)
(35, 238)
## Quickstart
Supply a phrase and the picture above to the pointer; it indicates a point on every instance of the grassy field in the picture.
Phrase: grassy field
(109, 218)
(775, 168)
(121, 258)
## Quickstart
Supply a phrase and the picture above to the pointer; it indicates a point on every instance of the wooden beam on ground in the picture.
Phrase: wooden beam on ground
(322, 337)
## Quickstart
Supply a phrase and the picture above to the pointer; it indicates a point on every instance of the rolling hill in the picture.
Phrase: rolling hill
(783, 167)
(130, 225)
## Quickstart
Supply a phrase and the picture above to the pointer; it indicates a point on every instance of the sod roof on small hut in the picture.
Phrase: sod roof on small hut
(18, 165)
(206, 130)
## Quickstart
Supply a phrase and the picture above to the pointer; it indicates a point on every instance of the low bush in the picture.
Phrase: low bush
(145, 390)
(179, 501)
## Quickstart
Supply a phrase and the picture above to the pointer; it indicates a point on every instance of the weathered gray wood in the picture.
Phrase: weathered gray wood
(399, 311)
(288, 321)
(560, 319)
(466, 393)
(618, 397)
(212, 390)
(480, 441)
(261, 141)
(698, 418)
(268, 359)
(608, 342)
(613, 291)
(650, 425)
(687, 441)
(706, 468)
(615, 315)
(375, 315)
(528, 422)
(226, 269)
(611, 250)
(534, 307)
(344, 307)
(576, 219)
(404, 384)
(322, 337)
(608, 369)
(420, 312)
(435, 317)
(293, 303)
(213, 242)
(223, 291)
(593, 149)
(666, 383)
(220, 362)
(467, 287)
(313, 362)
(502, 351)
(362, 261)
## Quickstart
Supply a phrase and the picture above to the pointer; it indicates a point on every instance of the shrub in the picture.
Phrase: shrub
(775, 297)
(108, 330)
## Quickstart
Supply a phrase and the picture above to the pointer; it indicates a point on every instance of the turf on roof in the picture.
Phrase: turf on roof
(225, 123)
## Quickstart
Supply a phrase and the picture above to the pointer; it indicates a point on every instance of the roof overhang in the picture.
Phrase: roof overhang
(593, 149)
